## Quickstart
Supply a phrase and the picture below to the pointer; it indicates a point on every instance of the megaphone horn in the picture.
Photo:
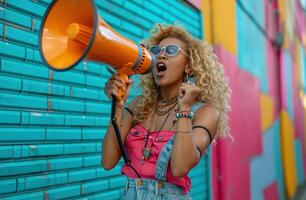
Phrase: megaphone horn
(71, 31)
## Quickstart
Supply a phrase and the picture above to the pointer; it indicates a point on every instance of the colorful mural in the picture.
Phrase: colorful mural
(261, 45)
(52, 123)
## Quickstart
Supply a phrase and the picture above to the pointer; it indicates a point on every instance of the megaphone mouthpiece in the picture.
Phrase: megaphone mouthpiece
(79, 33)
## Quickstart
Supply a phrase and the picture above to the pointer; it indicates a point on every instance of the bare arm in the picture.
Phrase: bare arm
(185, 154)
(110, 148)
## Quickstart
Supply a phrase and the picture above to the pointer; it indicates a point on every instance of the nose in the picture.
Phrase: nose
(162, 55)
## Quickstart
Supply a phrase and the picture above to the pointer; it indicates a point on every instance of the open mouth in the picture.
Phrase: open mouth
(161, 68)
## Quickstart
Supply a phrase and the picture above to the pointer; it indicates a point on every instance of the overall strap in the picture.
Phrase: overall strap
(195, 106)
(163, 160)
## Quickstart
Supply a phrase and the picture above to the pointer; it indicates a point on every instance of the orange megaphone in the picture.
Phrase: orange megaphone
(71, 31)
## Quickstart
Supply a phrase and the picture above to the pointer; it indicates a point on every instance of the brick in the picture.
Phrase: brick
(40, 87)
(64, 163)
(17, 151)
(9, 117)
(64, 192)
(145, 14)
(132, 28)
(92, 160)
(66, 105)
(21, 134)
(33, 86)
(25, 167)
(181, 8)
(22, 101)
(32, 196)
(15, 67)
(41, 181)
(93, 134)
(63, 134)
(95, 186)
(21, 36)
(78, 120)
(107, 8)
(117, 182)
(6, 152)
(46, 1)
(11, 50)
(15, 18)
(1, 28)
(29, 54)
(8, 186)
(85, 93)
(27, 6)
(69, 77)
(37, 57)
(82, 175)
(36, 150)
(10, 83)
(79, 148)
(94, 81)
(110, 19)
(97, 108)
(36, 118)
(36, 23)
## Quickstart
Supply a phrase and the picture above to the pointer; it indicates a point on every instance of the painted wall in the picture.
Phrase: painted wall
(52, 123)
(267, 158)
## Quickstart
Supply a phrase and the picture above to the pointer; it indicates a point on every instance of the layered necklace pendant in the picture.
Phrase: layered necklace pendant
(159, 110)
(146, 153)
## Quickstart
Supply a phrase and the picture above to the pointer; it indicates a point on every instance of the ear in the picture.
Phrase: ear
(188, 69)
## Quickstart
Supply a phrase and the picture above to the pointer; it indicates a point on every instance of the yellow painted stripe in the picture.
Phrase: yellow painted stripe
(267, 111)
(288, 154)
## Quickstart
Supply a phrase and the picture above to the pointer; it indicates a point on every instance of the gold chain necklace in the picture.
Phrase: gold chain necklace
(160, 106)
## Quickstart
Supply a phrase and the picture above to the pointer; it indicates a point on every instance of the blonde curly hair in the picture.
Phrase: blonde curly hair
(208, 74)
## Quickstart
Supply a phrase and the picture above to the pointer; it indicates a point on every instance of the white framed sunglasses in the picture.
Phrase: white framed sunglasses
(171, 50)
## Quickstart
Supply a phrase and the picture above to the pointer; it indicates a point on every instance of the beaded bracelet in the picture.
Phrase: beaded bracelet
(187, 114)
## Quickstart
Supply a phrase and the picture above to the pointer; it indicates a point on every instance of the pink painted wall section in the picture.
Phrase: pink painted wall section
(271, 192)
(272, 71)
(196, 3)
(236, 156)
(299, 20)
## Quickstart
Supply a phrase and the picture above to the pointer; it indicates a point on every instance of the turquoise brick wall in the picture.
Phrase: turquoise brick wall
(52, 123)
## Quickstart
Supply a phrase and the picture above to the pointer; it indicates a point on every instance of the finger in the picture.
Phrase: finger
(118, 84)
(114, 92)
(117, 77)
(181, 92)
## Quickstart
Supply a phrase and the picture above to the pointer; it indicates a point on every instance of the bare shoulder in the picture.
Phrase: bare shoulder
(206, 114)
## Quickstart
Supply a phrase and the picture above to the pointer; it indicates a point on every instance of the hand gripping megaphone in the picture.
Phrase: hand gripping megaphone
(72, 31)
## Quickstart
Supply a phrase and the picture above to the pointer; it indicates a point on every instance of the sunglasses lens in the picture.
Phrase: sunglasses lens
(172, 50)
(155, 50)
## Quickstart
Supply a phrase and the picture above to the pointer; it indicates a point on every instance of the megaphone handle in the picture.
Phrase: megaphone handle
(124, 79)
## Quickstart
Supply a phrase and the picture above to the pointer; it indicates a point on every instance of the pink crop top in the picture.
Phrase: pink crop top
(134, 144)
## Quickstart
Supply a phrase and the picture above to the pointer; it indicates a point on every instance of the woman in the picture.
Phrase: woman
(169, 127)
